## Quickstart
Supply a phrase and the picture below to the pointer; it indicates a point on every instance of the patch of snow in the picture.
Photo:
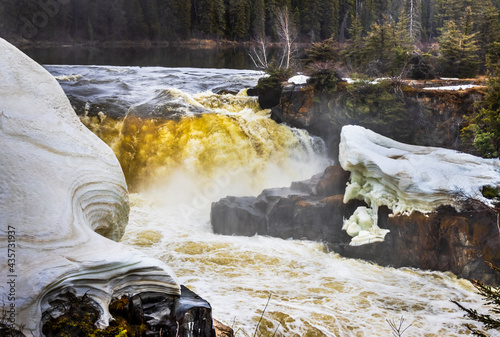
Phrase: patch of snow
(375, 81)
(407, 178)
(298, 79)
(454, 87)
(59, 184)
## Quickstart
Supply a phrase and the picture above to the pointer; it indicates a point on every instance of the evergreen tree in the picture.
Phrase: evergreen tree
(379, 44)
(271, 18)
(483, 129)
(239, 18)
(150, 10)
(354, 52)
(136, 24)
(458, 49)
(258, 19)
(329, 19)
(488, 32)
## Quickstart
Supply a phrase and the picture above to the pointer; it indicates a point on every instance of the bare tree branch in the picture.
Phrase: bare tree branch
(287, 36)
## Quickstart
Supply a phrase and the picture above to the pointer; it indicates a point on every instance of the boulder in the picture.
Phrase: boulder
(305, 210)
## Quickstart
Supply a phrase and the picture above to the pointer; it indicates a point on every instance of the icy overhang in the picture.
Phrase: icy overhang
(407, 178)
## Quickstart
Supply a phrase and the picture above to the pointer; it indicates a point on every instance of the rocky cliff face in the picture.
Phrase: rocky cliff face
(445, 240)
(406, 112)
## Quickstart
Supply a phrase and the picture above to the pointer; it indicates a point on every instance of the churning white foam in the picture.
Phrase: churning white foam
(313, 292)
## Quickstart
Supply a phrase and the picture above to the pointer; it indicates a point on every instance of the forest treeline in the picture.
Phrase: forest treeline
(314, 20)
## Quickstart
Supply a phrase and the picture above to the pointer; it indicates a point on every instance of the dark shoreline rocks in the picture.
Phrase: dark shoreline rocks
(445, 240)
(144, 314)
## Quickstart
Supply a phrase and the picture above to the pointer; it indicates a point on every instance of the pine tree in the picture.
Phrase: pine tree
(354, 52)
(488, 32)
(182, 15)
(380, 44)
(483, 129)
(150, 10)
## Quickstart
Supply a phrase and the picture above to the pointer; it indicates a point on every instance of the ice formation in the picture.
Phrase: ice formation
(60, 186)
(407, 178)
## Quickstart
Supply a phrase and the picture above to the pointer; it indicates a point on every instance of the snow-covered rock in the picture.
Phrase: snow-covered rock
(60, 186)
(298, 79)
(407, 178)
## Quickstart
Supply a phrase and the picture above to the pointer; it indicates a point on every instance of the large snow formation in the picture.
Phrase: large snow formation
(406, 178)
(59, 184)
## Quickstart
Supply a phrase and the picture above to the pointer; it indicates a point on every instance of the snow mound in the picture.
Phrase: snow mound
(407, 178)
(298, 79)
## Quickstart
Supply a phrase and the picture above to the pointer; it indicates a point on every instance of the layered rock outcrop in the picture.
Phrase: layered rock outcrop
(458, 233)
(404, 111)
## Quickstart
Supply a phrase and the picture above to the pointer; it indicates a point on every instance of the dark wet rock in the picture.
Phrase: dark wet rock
(226, 91)
(296, 108)
(194, 315)
(269, 92)
(144, 314)
(445, 240)
(302, 211)
(252, 92)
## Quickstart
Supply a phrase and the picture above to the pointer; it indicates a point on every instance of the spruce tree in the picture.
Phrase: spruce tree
(239, 11)
(136, 24)
(459, 49)
(380, 44)
(354, 53)
(257, 27)
(329, 19)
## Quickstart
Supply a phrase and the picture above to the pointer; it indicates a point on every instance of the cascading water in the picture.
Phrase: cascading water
(182, 147)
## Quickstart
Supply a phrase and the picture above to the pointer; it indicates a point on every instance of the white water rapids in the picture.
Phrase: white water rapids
(310, 292)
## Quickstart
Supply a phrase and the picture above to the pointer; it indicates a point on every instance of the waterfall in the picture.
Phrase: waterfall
(182, 146)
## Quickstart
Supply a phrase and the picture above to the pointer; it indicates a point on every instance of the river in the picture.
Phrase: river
(189, 136)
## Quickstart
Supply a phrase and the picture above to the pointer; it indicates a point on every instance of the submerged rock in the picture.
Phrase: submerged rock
(61, 190)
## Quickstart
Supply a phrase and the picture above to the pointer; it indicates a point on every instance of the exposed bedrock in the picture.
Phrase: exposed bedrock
(63, 206)
(404, 113)
(302, 211)
(443, 240)
(420, 207)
